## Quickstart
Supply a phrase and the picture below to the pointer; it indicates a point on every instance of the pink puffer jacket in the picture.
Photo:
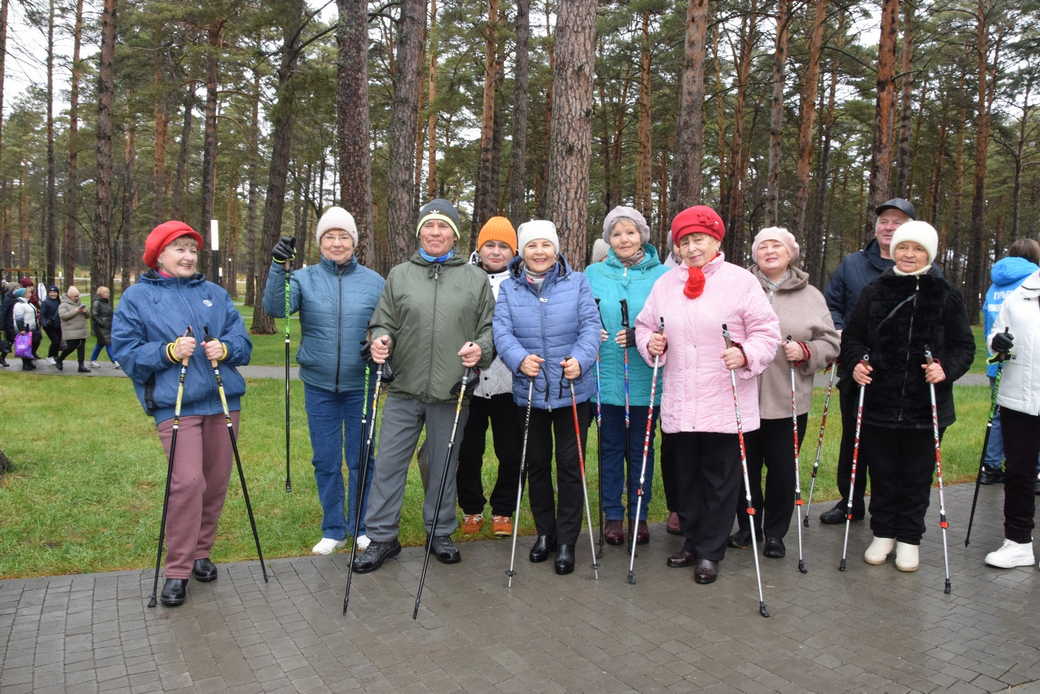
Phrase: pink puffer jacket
(697, 393)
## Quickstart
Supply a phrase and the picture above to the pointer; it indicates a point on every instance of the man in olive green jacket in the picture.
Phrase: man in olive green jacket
(434, 318)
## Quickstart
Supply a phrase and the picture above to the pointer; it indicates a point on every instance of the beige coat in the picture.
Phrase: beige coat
(804, 316)
(73, 321)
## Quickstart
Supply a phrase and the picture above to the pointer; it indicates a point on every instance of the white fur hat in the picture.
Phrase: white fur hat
(918, 232)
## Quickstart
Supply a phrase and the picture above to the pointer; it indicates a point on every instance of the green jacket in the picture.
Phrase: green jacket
(430, 310)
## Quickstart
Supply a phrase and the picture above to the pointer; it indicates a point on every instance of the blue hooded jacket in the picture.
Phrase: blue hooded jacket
(153, 313)
(611, 281)
(1006, 274)
(335, 304)
(560, 321)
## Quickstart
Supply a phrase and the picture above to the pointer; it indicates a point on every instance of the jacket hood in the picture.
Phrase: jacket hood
(1010, 271)
(153, 277)
(650, 259)
(796, 279)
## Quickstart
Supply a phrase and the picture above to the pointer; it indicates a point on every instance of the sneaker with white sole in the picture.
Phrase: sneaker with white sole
(878, 551)
(95, 365)
(327, 546)
(363, 542)
(1011, 554)
(906, 557)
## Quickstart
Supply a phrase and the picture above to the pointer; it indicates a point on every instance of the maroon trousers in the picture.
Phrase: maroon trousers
(200, 478)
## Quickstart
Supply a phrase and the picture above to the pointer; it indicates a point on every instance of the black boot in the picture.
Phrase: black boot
(837, 514)
(543, 546)
(375, 554)
(204, 570)
(174, 591)
(3, 361)
(82, 369)
(564, 563)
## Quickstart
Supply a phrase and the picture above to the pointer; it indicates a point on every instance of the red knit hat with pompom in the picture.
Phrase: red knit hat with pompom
(697, 219)
(162, 235)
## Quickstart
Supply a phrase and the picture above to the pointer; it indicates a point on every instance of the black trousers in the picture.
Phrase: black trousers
(1021, 447)
(79, 346)
(559, 517)
(901, 464)
(772, 446)
(54, 334)
(708, 465)
(848, 400)
(669, 475)
(507, 434)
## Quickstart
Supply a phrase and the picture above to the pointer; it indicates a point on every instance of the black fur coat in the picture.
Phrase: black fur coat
(895, 319)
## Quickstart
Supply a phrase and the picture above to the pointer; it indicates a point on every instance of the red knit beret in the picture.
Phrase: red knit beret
(699, 219)
(161, 236)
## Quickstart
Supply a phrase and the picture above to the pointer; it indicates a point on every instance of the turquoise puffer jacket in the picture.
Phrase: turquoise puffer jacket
(611, 281)
(335, 303)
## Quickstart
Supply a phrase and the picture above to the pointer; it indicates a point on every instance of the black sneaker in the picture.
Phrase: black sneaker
(445, 550)
(991, 475)
(837, 514)
(174, 592)
(375, 554)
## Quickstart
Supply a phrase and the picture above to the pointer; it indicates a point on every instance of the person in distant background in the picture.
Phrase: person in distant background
(101, 321)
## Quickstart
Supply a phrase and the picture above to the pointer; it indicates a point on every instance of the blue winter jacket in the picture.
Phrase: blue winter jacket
(611, 281)
(335, 303)
(1006, 274)
(559, 322)
(153, 313)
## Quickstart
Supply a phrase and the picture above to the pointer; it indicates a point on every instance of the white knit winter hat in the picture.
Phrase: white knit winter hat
(918, 232)
(337, 218)
(537, 229)
(779, 234)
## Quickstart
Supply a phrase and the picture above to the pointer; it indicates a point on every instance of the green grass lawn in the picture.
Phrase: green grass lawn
(86, 491)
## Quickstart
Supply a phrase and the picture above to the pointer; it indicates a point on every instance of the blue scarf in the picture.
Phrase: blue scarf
(436, 259)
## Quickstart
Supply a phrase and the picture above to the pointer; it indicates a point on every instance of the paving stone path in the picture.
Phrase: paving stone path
(870, 629)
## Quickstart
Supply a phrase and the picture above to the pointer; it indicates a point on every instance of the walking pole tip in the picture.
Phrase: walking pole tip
(801, 566)
(805, 521)
(151, 601)
(841, 566)
(947, 589)
(631, 578)
(762, 609)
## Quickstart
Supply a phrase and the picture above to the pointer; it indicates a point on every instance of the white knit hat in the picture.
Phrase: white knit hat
(918, 232)
(779, 234)
(537, 229)
(337, 218)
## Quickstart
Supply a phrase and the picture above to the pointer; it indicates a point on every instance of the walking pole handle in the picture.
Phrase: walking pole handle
(928, 355)
(726, 336)
(624, 313)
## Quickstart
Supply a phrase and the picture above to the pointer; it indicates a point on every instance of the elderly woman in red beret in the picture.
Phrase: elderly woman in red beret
(150, 340)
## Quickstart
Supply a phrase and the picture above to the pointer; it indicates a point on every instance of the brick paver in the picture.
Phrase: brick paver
(870, 629)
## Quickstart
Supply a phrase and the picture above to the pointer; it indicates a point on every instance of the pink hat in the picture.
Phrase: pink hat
(777, 234)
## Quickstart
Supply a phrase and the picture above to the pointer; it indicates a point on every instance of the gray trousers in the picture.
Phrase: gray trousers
(402, 422)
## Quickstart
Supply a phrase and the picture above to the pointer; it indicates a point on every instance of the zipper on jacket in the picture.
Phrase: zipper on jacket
(339, 324)
(433, 325)
(909, 340)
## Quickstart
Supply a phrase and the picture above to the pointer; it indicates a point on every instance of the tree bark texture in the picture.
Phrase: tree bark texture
(101, 255)
(644, 155)
(807, 119)
(518, 157)
(180, 178)
(68, 242)
(484, 204)
(431, 99)
(571, 132)
(209, 138)
(881, 155)
(776, 112)
(687, 172)
(50, 233)
(904, 162)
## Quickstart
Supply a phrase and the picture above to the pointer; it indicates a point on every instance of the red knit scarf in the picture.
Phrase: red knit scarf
(694, 283)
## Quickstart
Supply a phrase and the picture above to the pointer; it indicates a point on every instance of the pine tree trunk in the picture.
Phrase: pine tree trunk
(1020, 146)
(431, 99)
(687, 172)
(881, 159)
(180, 179)
(50, 233)
(776, 112)
(6, 237)
(518, 157)
(68, 245)
(733, 213)
(806, 122)
(904, 162)
(129, 196)
(570, 138)
(162, 119)
(644, 155)
(483, 203)
(101, 247)
(252, 234)
(209, 138)
(977, 267)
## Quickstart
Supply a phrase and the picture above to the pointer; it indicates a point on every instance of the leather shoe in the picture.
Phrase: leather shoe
(642, 533)
(445, 550)
(706, 571)
(564, 563)
(681, 559)
(204, 570)
(673, 526)
(174, 591)
(742, 539)
(774, 548)
(375, 554)
(991, 475)
(614, 532)
(837, 514)
(543, 546)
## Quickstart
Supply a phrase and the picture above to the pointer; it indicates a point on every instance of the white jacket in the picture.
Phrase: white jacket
(1020, 314)
(495, 379)
(25, 313)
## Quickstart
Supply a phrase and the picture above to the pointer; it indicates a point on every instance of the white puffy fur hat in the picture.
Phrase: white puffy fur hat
(336, 218)
(537, 229)
(918, 232)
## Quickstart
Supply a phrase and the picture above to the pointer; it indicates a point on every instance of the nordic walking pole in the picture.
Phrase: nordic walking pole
(440, 492)
(855, 462)
(238, 460)
(286, 292)
(511, 571)
(646, 449)
(797, 468)
(762, 610)
(985, 441)
(626, 460)
(599, 444)
(581, 469)
(819, 439)
(943, 522)
(169, 469)
(368, 428)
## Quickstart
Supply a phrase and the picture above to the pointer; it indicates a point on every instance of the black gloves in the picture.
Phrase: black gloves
(1002, 343)
(630, 337)
(284, 250)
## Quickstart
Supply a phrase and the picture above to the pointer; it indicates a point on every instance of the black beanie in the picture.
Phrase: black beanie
(439, 208)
